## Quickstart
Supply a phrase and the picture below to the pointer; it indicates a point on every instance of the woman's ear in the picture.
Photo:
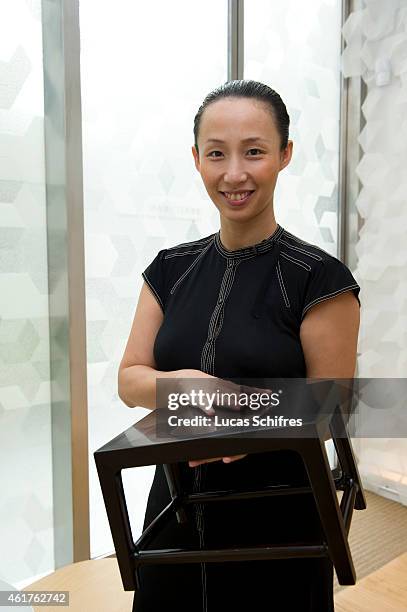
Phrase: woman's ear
(196, 157)
(286, 155)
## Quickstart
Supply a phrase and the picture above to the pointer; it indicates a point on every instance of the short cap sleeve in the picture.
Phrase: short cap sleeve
(155, 278)
(328, 279)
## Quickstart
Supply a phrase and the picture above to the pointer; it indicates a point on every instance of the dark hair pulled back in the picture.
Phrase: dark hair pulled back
(249, 89)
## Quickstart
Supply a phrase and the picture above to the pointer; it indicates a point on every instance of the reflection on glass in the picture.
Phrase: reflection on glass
(287, 46)
(145, 69)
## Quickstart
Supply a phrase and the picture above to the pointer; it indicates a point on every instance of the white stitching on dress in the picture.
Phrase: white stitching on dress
(262, 247)
(218, 328)
(203, 566)
(199, 524)
(177, 246)
(300, 263)
(283, 289)
(217, 331)
(207, 359)
(304, 242)
(181, 278)
(246, 257)
(290, 246)
(183, 253)
(327, 296)
(198, 511)
(153, 290)
(208, 365)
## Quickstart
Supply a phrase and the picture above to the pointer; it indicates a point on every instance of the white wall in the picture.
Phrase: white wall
(376, 36)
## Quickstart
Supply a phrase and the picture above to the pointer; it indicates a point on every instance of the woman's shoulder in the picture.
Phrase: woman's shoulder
(312, 274)
(306, 253)
(188, 248)
(170, 265)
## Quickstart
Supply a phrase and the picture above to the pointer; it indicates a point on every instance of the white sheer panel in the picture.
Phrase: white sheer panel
(376, 52)
(294, 47)
(145, 70)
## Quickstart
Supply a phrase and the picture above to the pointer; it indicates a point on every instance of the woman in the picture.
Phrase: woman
(250, 301)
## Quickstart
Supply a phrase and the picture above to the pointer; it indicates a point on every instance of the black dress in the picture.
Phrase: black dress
(237, 314)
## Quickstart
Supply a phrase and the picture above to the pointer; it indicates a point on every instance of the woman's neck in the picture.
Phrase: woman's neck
(235, 236)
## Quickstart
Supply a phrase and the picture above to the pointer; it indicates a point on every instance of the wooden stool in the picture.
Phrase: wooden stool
(321, 407)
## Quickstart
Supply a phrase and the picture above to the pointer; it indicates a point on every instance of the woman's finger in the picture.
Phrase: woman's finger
(229, 459)
(233, 458)
(196, 462)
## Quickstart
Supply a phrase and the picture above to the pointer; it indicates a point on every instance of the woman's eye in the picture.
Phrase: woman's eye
(212, 153)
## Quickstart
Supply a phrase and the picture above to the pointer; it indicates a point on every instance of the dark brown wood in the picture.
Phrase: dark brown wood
(141, 445)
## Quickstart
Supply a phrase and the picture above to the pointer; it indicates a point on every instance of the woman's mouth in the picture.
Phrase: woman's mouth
(237, 199)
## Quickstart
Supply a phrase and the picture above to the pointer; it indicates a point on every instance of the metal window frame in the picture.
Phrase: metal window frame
(353, 93)
(235, 39)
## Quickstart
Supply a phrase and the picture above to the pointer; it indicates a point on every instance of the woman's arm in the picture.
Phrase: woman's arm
(137, 371)
(329, 335)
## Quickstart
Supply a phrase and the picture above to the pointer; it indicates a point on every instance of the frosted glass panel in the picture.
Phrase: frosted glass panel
(375, 52)
(145, 70)
(26, 512)
(294, 47)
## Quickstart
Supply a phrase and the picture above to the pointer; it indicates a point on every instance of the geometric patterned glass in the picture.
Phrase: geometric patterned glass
(145, 70)
(375, 52)
(26, 500)
(287, 46)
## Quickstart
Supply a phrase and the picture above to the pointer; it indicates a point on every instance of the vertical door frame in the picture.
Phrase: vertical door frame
(353, 93)
(66, 274)
(235, 39)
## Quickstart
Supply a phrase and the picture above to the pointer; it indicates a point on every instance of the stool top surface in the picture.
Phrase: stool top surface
(166, 436)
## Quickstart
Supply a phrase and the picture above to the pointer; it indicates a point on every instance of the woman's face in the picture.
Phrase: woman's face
(239, 152)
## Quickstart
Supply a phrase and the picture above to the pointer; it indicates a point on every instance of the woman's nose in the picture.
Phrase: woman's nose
(235, 173)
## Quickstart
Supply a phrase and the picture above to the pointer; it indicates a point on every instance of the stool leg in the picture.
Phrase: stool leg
(171, 471)
(319, 472)
(111, 483)
(345, 454)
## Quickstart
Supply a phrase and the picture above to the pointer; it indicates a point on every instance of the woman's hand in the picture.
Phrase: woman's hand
(212, 383)
(196, 462)
(211, 386)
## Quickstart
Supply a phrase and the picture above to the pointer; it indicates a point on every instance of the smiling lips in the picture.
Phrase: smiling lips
(237, 198)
